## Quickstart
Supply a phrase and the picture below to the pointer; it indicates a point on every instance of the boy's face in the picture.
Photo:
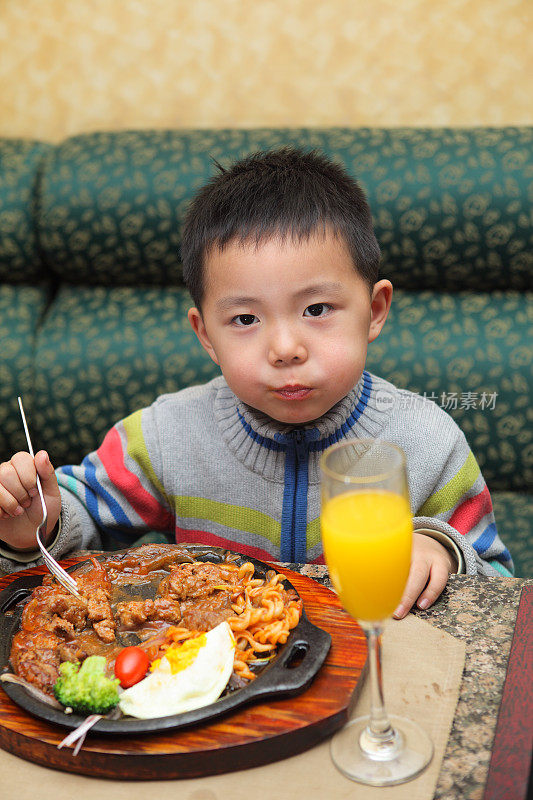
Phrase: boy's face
(288, 323)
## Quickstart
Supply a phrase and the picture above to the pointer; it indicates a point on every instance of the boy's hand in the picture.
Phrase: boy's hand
(431, 564)
(20, 505)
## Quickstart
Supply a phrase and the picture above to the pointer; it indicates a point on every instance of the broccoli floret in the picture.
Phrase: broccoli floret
(86, 689)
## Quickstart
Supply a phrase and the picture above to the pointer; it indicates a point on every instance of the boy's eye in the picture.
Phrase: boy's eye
(317, 310)
(244, 319)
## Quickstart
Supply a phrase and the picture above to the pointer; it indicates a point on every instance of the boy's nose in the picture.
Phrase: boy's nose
(286, 349)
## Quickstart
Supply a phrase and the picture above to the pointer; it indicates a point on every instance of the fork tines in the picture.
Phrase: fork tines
(57, 570)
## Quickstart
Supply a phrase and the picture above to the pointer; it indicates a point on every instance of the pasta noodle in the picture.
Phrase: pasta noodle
(264, 614)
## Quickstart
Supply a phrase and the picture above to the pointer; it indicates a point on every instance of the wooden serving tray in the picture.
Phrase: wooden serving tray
(250, 736)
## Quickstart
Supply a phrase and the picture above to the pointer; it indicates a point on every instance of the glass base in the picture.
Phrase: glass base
(397, 760)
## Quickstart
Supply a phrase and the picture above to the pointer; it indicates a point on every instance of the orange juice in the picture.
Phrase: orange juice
(367, 537)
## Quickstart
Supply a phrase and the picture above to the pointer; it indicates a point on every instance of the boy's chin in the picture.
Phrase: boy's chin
(294, 416)
(305, 411)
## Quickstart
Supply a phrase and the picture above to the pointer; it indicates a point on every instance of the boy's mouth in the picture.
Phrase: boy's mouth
(293, 392)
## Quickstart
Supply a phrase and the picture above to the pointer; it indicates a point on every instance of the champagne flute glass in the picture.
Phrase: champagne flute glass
(367, 531)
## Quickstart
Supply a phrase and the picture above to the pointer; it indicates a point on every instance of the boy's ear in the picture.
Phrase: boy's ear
(379, 307)
(198, 326)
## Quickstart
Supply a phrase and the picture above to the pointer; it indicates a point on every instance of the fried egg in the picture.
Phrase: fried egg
(190, 675)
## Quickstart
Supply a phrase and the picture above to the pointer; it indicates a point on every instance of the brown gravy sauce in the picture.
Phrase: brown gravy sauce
(56, 627)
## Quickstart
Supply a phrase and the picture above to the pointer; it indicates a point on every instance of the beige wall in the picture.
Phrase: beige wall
(68, 66)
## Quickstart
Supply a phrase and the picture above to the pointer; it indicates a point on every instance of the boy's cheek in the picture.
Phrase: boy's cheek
(344, 362)
(240, 377)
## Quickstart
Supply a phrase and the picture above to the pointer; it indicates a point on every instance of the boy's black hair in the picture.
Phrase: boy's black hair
(285, 192)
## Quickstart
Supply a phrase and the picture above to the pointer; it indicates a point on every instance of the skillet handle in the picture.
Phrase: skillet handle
(295, 668)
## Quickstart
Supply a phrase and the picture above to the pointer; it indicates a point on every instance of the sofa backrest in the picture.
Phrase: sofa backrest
(451, 207)
(98, 260)
(21, 165)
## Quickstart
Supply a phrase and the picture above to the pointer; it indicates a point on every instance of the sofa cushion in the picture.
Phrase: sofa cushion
(105, 352)
(451, 206)
(21, 163)
(111, 205)
(514, 512)
(469, 353)
(21, 308)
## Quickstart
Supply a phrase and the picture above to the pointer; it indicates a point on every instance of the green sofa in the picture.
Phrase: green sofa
(92, 306)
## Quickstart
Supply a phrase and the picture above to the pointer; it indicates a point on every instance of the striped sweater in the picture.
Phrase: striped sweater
(207, 468)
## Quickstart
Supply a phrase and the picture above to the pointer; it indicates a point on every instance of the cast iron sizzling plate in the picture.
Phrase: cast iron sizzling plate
(290, 673)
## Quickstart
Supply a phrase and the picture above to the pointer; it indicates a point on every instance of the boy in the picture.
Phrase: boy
(281, 261)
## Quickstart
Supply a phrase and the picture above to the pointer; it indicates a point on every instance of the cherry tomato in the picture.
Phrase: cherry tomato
(131, 666)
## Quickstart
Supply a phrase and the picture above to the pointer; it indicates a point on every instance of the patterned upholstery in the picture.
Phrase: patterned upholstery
(514, 512)
(21, 165)
(451, 206)
(92, 308)
(470, 353)
(103, 353)
(111, 205)
(23, 285)
(21, 308)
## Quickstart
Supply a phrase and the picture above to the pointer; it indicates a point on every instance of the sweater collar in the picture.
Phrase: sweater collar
(260, 442)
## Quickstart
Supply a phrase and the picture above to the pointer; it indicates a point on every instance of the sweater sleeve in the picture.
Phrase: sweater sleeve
(460, 508)
(118, 489)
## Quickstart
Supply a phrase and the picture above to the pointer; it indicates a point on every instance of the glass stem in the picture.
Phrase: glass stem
(379, 721)
(379, 740)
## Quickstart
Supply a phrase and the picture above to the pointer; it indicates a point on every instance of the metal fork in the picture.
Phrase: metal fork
(56, 569)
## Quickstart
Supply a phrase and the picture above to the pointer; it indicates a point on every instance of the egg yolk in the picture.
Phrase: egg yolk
(180, 656)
